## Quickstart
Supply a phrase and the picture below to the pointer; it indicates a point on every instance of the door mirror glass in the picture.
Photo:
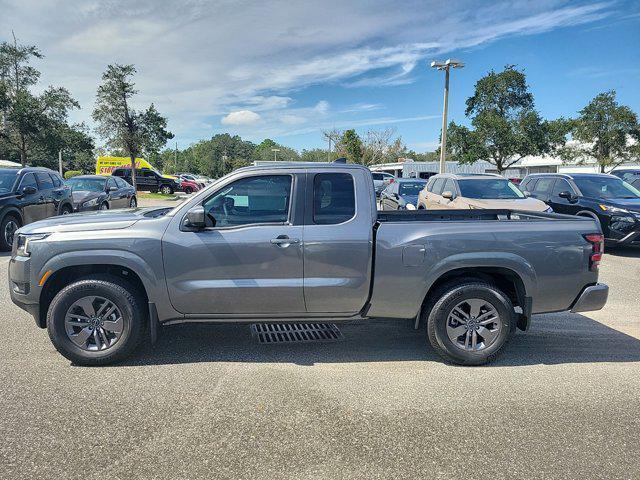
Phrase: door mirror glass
(448, 195)
(566, 195)
(29, 190)
(112, 188)
(194, 219)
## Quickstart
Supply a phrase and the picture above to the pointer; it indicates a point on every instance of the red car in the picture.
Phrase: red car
(188, 186)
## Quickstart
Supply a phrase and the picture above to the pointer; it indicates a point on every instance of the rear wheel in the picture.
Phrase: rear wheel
(188, 190)
(104, 206)
(470, 323)
(96, 321)
(133, 203)
(10, 223)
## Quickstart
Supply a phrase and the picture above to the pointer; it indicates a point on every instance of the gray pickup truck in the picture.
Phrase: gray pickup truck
(300, 243)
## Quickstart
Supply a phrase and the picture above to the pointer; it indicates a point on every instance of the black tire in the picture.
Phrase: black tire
(166, 189)
(188, 190)
(117, 291)
(445, 301)
(133, 203)
(8, 223)
(104, 206)
(66, 210)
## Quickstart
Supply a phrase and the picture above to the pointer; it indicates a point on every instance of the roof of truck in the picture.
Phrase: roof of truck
(309, 165)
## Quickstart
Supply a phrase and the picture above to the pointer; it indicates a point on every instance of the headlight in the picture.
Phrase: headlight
(24, 241)
(90, 203)
(410, 206)
(609, 209)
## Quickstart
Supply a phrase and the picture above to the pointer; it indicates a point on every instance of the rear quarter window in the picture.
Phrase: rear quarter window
(333, 198)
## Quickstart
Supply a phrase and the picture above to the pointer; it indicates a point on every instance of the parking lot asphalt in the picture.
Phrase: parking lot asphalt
(208, 402)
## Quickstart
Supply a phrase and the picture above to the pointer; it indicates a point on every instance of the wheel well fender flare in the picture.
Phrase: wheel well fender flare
(11, 210)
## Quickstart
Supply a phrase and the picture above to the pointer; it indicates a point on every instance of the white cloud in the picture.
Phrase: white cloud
(197, 61)
(241, 117)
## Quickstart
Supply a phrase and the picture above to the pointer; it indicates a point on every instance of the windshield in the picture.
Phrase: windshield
(7, 179)
(87, 184)
(411, 189)
(605, 187)
(489, 189)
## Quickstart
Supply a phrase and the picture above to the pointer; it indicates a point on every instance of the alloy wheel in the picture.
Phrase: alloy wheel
(473, 325)
(9, 231)
(94, 323)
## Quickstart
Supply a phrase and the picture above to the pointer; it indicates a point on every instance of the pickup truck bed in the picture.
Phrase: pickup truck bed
(300, 242)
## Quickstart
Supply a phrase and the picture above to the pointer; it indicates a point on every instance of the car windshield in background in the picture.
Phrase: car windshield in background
(7, 180)
(86, 184)
(411, 189)
(489, 189)
(605, 187)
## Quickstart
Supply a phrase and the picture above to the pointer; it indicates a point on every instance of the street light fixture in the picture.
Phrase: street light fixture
(275, 154)
(446, 65)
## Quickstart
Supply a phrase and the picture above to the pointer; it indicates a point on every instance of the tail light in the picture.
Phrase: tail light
(597, 249)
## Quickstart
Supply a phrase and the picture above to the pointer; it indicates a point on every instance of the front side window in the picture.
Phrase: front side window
(561, 186)
(57, 181)
(605, 187)
(29, 180)
(79, 184)
(449, 186)
(437, 186)
(489, 189)
(251, 200)
(121, 183)
(334, 199)
(111, 183)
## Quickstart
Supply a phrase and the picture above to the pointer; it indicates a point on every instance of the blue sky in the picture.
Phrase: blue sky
(287, 70)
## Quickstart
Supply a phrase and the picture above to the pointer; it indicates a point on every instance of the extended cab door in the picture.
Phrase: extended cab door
(338, 238)
(33, 205)
(248, 260)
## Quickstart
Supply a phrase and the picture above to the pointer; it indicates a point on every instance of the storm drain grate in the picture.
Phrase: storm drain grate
(295, 332)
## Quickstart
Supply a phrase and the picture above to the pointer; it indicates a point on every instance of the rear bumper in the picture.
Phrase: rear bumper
(592, 298)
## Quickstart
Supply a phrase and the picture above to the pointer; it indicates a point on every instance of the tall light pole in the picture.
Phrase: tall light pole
(275, 154)
(446, 65)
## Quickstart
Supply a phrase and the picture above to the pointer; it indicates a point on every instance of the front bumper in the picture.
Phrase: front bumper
(24, 293)
(592, 298)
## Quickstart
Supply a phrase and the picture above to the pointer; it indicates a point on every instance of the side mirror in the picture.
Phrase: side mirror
(566, 195)
(28, 190)
(194, 219)
(527, 193)
(112, 189)
(448, 195)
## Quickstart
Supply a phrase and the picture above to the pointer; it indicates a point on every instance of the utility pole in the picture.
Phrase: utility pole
(175, 158)
(275, 154)
(60, 162)
(329, 151)
(443, 141)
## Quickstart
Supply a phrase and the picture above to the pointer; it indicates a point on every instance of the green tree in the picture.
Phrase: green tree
(137, 133)
(264, 151)
(506, 126)
(27, 120)
(606, 132)
(351, 147)
(313, 155)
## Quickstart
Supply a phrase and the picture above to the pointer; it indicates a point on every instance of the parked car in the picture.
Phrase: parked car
(101, 282)
(402, 194)
(472, 191)
(613, 203)
(97, 192)
(148, 180)
(192, 178)
(631, 176)
(27, 195)
(189, 186)
(381, 180)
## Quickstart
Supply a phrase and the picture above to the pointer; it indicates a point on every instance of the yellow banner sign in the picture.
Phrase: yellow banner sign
(106, 165)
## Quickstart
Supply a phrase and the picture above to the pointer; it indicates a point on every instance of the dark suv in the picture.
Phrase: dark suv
(613, 202)
(148, 180)
(631, 176)
(29, 194)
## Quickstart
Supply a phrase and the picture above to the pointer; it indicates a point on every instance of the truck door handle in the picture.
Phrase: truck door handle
(284, 241)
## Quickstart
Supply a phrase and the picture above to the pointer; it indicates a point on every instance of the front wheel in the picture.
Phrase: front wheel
(166, 190)
(98, 320)
(470, 323)
(10, 223)
(104, 206)
(66, 210)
